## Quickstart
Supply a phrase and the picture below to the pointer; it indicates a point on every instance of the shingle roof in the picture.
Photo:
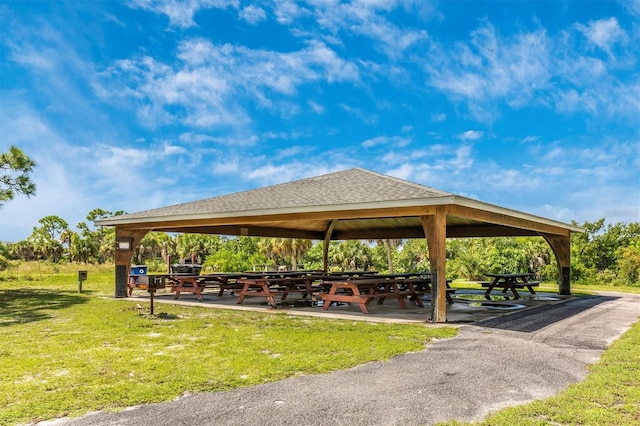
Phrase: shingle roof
(353, 186)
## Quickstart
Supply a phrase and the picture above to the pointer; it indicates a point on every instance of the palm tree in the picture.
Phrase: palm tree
(390, 245)
(292, 248)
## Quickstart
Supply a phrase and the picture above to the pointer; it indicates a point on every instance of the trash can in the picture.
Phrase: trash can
(135, 272)
(138, 270)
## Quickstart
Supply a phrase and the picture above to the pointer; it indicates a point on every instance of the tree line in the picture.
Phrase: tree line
(603, 254)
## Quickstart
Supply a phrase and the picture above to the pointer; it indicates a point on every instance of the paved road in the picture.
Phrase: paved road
(489, 365)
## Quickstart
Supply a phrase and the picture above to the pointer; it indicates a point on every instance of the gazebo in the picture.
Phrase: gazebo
(350, 204)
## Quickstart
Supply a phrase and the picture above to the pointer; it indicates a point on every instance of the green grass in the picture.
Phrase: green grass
(65, 354)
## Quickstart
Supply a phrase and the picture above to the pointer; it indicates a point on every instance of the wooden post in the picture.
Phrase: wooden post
(123, 257)
(327, 240)
(435, 229)
(82, 276)
(561, 246)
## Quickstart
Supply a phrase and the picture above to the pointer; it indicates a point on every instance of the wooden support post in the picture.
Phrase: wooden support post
(327, 240)
(123, 254)
(435, 229)
(561, 246)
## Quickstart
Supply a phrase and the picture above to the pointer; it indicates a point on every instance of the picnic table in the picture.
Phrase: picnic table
(222, 281)
(509, 282)
(186, 284)
(270, 287)
(417, 283)
(361, 291)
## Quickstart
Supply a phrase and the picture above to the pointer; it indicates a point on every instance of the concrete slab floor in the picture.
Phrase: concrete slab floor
(469, 306)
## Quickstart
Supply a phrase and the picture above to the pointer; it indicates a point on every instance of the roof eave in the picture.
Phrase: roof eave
(378, 205)
(468, 202)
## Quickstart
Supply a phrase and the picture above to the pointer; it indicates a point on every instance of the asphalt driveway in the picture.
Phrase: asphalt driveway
(491, 364)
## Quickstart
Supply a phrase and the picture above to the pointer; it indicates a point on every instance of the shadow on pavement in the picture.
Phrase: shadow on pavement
(536, 318)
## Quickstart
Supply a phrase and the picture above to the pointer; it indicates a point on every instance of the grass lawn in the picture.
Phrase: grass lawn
(65, 354)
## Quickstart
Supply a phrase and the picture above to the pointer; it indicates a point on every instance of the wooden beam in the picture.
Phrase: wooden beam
(561, 247)
(505, 220)
(288, 217)
(254, 231)
(489, 230)
(326, 242)
(435, 230)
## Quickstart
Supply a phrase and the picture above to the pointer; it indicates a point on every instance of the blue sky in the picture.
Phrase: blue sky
(531, 105)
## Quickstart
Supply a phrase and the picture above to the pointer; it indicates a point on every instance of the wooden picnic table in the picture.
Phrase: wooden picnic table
(361, 291)
(510, 282)
(271, 287)
(223, 281)
(186, 284)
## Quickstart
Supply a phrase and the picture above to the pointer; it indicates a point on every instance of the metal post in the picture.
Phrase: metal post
(121, 281)
(434, 294)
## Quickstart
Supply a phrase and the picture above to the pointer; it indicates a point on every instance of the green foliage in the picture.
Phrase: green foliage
(15, 167)
(629, 263)
(350, 255)
(284, 251)
(237, 254)
(312, 259)
(597, 248)
(604, 253)
(413, 256)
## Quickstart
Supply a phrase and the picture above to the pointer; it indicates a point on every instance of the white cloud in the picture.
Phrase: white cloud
(393, 141)
(530, 139)
(367, 118)
(293, 151)
(440, 117)
(535, 69)
(226, 166)
(378, 140)
(360, 18)
(208, 86)
(405, 171)
(471, 135)
(287, 11)
(316, 107)
(632, 6)
(253, 14)
(180, 12)
(604, 33)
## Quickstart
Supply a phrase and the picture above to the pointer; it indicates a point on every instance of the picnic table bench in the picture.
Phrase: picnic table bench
(507, 282)
(418, 287)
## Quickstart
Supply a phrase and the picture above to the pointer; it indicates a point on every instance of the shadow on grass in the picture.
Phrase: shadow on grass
(29, 305)
(537, 318)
